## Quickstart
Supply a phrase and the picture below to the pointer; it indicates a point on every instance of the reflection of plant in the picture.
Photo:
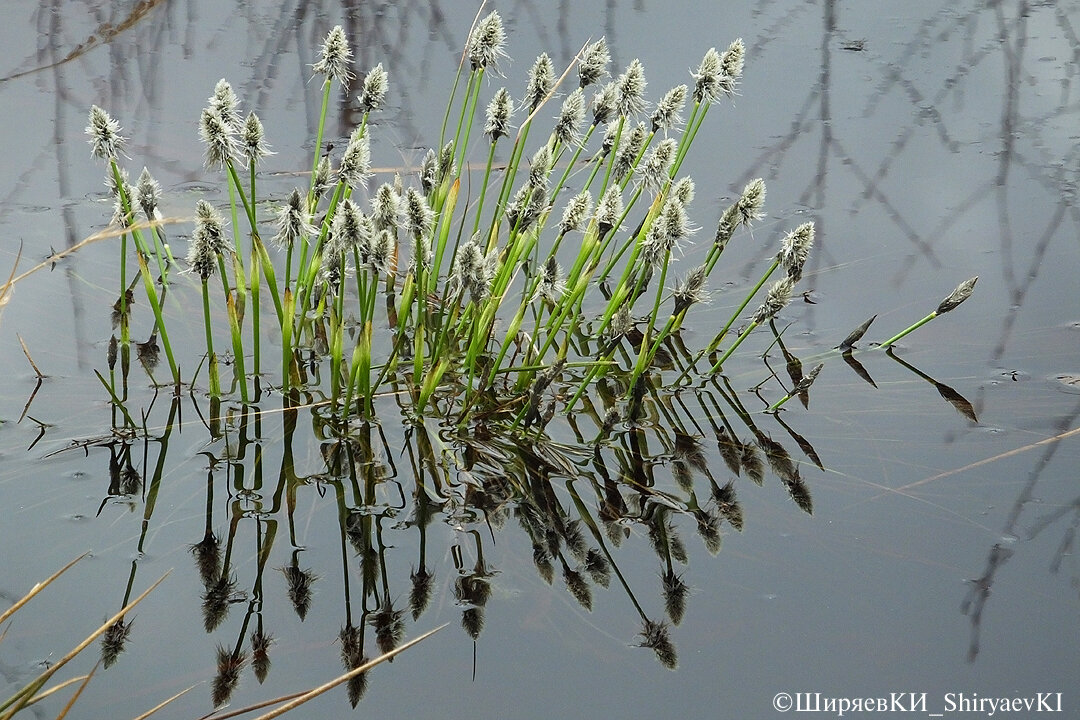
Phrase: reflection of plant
(575, 505)
(112, 629)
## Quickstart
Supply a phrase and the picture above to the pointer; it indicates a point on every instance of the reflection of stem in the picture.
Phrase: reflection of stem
(343, 522)
(583, 511)
(951, 396)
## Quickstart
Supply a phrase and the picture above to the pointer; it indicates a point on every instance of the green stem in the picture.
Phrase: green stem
(738, 341)
(910, 329)
(215, 382)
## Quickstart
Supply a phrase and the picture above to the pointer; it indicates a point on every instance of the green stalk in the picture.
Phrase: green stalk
(630, 240)
(746, 301)
(238, 347)
(483, 189)
(238, 259)
(159, 254)
(155, 305)
(471, 102)
(267, 268)
(287, 340)
(450, 101)
(644, 352)
(443, 234)
(908, 330)
(215, 382)
(573, 161)
(719, 337)
(509, 175)
(689, 133)
(360, 374)
(125, 329)
(738, 341)
(308, 268)
(148, 282)
(254, 282)
(318, 139)
(255, 324)
(471, 91)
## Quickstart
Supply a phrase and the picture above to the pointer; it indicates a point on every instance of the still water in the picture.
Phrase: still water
(927, 545)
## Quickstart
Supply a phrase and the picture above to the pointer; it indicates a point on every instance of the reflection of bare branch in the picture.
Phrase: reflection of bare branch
(980, 592)
(102, 35)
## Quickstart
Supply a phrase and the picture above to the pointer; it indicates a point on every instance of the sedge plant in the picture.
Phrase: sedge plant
(449, 288)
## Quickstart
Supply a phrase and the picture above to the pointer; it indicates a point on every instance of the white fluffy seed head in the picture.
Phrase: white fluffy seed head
(293, 221)
(148, 194)
(631, 89)
(577, 210)
(795, 249)
(570, 117)
(373, 93)
(335, 57)
(776, 299)
(106, 142)
(666, 114)
(355, 166)
(609, 209)
(486, 43)
(219, 138)
(541, 80)
(594, 63)
(499, 111)
(225, 102)
(253, 140)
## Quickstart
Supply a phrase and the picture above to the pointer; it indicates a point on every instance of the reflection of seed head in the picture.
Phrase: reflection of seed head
(675, 592)
(655, 636)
